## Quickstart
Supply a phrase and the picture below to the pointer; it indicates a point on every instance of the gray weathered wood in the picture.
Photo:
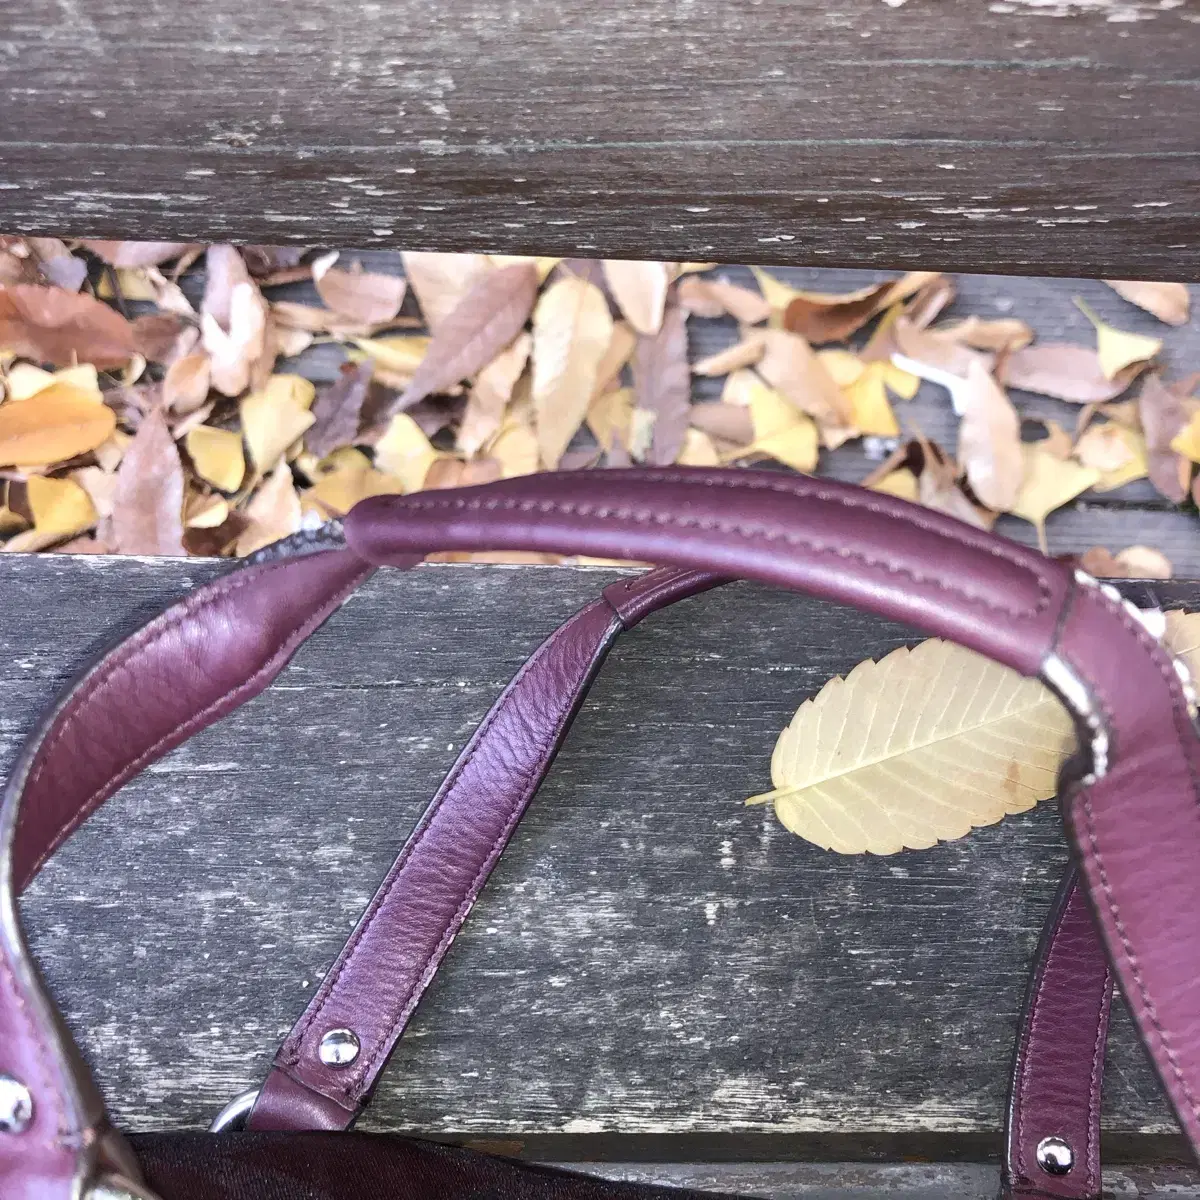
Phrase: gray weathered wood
(1022, 136)
(651, 959)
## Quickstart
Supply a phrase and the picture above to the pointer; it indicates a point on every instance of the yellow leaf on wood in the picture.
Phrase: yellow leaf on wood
(1169, 302)
(338, 491)
(1049, 483)
(572, 330)
(918, 748)
(1185, 442)
(902, 483)
(25, 380)
(609, 417)
(60, 507)
(698, 450)
(205, 512)
(398, 356)
(405, 452)
(872, 413)
(217, 456)
(274, 512)
(57, 423)
(515, 448)
(1116, 451)
(1116, 348)
(844, 367)
(275, 417)
(780, 431)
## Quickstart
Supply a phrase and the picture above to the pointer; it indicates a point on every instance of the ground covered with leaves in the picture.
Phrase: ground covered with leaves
(153, 400)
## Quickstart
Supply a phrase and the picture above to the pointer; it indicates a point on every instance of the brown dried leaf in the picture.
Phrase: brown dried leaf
(361, 296)
(640, 290)
(1066, 372)
(741, 354)
(1144, 562)
(572, 330)
(487, 320)
(620, 350)
(824, 317)
(490, 395)
(989, 440)
(58, 423)
(147, 515)
(50, 324)
(662, 385)
(441, 281)
(1006, 333)
(337, 410)
(718, 297)
(139, 254)
(1164, 415)
(941, 350)
(790, 365)
(234, 324)
(164, 337)
(185, 385)
(274, 512)
(1169, 302)
(726, 422)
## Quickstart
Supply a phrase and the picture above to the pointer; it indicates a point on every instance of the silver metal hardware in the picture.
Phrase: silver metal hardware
(117, 1187)
(16, 1105)
(1055, 1156)
(1073, 692)
(234, 1114)
(339, 1048)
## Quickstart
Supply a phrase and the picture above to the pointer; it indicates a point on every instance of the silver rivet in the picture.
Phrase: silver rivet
(339, 1048)
(16, 1105)
(1055, 1156)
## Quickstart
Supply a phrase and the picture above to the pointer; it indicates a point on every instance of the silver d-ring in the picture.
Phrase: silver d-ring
(234, 1114)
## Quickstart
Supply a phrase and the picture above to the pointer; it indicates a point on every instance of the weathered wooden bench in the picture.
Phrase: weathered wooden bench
(657, 980)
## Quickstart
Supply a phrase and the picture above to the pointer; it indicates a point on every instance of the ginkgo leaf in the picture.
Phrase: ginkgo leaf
(405, 452)
(868, 396)
(788, 436)
(572, 329)
(698, 450)
(55, 424)
(1049, 483)
(275, 417)
(741, 354)
(1117, 452)
(918, 748)
(1116, 348)
(60, 507)
(989, 446)
(1185, 442)
(217, 456)
(640, 290)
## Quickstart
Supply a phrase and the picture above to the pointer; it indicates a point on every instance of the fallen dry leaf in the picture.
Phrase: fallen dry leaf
(442, 281)
(620, 350)
(57, 264)
(1116, 349)
(1134, 562)
(139, 254)
(217, 456)
(989, 440)
(489, 317)
(662, 385)
(698, 450)
(1006, 333)
(490, 395)
(164, 337)
(823, 317)
(58, 423)
(185, 385)
(234, 324)
(147, 515)
(1117, 452)
(941, 350)
(53, 325)
(572, 329)
(741, 354)
(1049, 484)
(726, 422)
(610, 416)
(274, 512)
(1066, 372)
(361, 296)
(920, 747)
(337, 409)
(640, 290)
(781, 432)
(515, 448)
(790, 365)
(718, 298)
(1169, 302)
(275, 417)
(405, 453)
(1163, 415)
(60, 507)
(868, 397)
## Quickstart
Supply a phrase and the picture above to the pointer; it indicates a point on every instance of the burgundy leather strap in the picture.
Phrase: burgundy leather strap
(374, 986)
(1136, 827)
(1054, 1099)
(187, 668)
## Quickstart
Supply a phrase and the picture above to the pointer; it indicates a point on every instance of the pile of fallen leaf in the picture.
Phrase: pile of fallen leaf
(136, 420)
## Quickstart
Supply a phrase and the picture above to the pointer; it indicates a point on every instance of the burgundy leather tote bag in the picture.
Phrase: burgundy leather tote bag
(1130, 799)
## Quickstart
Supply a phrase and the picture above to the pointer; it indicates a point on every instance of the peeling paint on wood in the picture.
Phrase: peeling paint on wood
(957, 135)
(651, 958)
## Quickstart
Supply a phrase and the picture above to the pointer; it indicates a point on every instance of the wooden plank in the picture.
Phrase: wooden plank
(651, 959)
(1022, 137)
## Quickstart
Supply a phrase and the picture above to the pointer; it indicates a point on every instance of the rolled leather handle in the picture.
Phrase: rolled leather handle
(1134, 818)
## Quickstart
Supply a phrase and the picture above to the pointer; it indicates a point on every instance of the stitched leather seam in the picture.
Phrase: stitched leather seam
(529, 785)
(769, 535)
(1027, 1036)
(292, 1048)
(1092, 1150)
(1158, 656)
(651, 596)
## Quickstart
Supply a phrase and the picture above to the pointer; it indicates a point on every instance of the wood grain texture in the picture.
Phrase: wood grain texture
(1023, 136)
(650, 960)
